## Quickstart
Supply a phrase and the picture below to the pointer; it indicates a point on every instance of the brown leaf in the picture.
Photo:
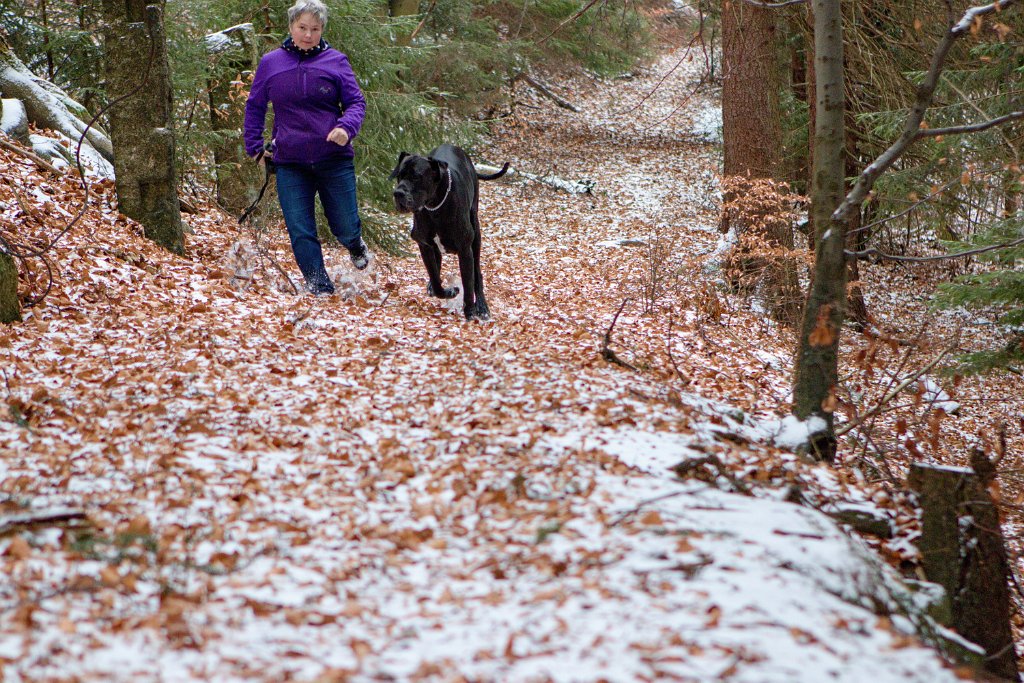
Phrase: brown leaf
(823, 333)
(19, 549)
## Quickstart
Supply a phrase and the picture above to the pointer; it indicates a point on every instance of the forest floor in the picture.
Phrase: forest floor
(367, 487)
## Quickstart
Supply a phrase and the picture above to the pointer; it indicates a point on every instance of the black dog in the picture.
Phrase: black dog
(442, 193)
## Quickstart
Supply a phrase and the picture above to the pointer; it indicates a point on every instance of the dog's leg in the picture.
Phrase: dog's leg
(481, 302)
(467, 269)
(432, 261)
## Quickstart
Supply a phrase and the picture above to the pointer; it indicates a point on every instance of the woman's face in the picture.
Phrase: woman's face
(306, 31)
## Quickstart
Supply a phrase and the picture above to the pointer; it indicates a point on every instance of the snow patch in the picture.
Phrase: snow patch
(791, 432)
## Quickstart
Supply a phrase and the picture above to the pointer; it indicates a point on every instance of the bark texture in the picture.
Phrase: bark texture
(233, 57)
(752, 135)
(751, 83)
(817, 369)
(10, 311)
(963, 550)
(141, 125)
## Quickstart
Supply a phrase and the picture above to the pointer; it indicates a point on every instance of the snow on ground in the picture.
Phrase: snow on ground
(365, 487)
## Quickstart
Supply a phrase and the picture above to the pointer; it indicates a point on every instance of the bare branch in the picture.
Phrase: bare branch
(775, 5)
(875, 253)
(970, 128)
(568, 21)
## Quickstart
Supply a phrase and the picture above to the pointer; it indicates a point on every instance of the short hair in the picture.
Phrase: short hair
(314, 7)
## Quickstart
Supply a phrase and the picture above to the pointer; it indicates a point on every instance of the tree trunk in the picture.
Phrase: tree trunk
(47, 105)
(233, 54)
(812, 118)
(10, 311)
(817, 361)
(962, 549)
(752, 81)
(403, 8)
(141, 124)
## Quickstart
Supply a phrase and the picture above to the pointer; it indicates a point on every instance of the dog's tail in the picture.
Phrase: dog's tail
(494, 176)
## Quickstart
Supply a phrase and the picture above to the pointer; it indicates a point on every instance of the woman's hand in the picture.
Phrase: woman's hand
(338, 136)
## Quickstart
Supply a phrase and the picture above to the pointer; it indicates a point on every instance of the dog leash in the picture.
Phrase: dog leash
(447, 192)
(268, 167)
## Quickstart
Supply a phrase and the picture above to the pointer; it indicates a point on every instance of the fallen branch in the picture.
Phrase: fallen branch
(545, 89)
(775, 5)
(42, 518)
(606, 351)
(39, 161)
(686, 467)
(570, 186)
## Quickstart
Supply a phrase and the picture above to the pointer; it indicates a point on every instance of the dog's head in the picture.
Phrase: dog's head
(420, 179)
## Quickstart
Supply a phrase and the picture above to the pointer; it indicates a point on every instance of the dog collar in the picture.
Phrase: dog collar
(446, 193)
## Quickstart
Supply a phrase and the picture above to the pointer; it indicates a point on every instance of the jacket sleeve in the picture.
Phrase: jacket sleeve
(353, 105)
(256, 112)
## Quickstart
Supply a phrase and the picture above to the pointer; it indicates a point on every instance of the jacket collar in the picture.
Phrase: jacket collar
(289, 46)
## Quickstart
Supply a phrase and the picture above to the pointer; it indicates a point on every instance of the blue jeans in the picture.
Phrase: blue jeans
(335, 182)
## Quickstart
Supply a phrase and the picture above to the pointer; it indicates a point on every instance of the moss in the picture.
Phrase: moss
(9, 309)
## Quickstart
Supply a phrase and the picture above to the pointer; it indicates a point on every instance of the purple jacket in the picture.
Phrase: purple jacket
(311, 96)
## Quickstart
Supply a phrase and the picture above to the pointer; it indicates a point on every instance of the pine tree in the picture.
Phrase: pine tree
(999, 289)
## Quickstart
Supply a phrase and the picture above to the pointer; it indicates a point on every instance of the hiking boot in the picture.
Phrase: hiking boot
(360, 256)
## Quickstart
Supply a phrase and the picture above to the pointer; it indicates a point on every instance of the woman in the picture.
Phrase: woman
(318, 110)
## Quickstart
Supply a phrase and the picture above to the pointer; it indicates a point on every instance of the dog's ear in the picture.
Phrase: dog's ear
(440, 166)
(401, 158)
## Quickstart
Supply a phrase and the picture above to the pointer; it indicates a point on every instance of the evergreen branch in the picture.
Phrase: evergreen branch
(875, 253)
(912, 125)
(970, 128)
(909, 209)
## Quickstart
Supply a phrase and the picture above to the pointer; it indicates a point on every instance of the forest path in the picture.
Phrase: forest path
(368, 487)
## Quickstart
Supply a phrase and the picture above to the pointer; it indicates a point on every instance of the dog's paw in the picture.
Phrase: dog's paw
(477, 313)
(445, 293)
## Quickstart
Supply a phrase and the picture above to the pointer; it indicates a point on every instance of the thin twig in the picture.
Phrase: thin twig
(629, 513)
(606, 351)
(910, 379)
